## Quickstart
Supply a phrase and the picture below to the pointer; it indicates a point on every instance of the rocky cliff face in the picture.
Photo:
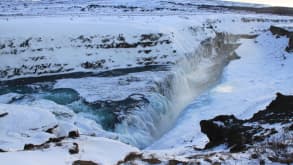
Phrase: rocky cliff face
(240, 135)
(279, 31)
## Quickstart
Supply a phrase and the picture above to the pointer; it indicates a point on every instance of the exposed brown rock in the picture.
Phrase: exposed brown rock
(84, 162)
(176, 162)
(279, 31)
(74, 149)
(130, 157)
(35, 147)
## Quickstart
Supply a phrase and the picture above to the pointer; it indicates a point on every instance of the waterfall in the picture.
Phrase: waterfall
(140, 119)
(192, 75)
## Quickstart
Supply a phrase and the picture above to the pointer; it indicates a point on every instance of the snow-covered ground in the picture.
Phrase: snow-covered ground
(247, 85)
(145, 77)
(104, 7)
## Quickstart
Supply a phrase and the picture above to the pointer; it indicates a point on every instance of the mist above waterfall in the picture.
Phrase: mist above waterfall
(152, 100)
(197, 72)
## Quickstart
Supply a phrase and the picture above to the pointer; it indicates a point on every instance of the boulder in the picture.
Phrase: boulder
(227, 129)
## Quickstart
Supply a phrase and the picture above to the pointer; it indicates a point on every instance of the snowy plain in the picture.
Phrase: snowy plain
(245, 86)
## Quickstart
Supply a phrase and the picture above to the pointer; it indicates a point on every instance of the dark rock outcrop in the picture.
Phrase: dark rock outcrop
(3, 114)
(51, 130)
(44, 145)
(283, 32)
(238, 134)
(1, 150)
(289, 48)
(229, 130)
(93, 65)
(83, 162)
(279, 31)
(25, 43)
(74, 149)
(73, 134)
(280, 110)
(28, 147)
(132, 156)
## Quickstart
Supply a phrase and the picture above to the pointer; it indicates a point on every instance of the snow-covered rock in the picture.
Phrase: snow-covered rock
(24, 124)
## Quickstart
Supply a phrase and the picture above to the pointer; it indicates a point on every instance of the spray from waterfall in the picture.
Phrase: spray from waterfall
(140, 119)
(192, 75)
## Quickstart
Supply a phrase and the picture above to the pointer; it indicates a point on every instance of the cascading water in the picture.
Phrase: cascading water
(201, 69)
(192, 75)
(140, 119)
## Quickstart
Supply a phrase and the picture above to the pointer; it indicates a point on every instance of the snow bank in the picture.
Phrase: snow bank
(99, 150)
(24, 124)
(29, 125)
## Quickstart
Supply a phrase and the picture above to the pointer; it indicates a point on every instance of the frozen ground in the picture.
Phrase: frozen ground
(103, 7)
(135, 7)
(145, 77)
(250, 82)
